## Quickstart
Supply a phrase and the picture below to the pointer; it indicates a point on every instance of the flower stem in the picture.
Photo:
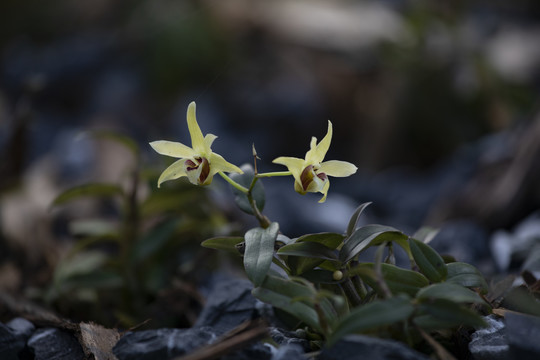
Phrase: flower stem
(275, 173)
(233, 183)
(263, 220)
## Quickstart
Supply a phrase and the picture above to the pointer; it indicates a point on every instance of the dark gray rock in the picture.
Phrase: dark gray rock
(10, 344)
(523, 334)
(289, 352)
(55, 344)
(21, 327)
(284, 338)
(161, 344)
(490, 343)
(13, 337)
(365, 347)
(463, 239)
(229, 304)
(255, 351)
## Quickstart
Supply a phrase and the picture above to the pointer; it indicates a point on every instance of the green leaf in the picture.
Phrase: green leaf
(121, 139)
(308, 249)
(448, 291)
(257, 192)
(259, 252)
(79, 264)
(93, 227)
(466, 275)
(154, 240)
(227, 243)
(176, 197)
(398, 280)
(428, 260)
(92, 241)
(298, 292)
(328, 239)
(306, 256)
(298, 309)
(370, 235)
(353, 222)
(521, 300)
(94, 189)
(425, 234)
(371, 316)
(443, 314)
(320, 245)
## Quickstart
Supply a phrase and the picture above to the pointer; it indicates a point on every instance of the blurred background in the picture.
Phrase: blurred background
(435, 102)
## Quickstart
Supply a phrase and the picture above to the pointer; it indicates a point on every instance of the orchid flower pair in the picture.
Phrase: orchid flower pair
(199, 163)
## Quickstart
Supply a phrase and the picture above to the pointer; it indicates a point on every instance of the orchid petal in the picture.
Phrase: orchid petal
(197, 139)
(174, 149)
(324, 191)
(218, 163)
(208, 141)
(337, 168)
(317, 152)
(298, 188)
(295, 166)
(174, 171)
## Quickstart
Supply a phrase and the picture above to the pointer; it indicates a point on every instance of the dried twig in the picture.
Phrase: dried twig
(242, 335)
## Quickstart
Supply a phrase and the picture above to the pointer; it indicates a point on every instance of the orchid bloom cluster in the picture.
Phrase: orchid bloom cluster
(199, 163)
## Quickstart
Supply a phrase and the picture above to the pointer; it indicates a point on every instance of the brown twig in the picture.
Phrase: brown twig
(242, 335)
(441, 352)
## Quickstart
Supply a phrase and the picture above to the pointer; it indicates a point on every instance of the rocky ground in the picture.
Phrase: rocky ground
(234, 325)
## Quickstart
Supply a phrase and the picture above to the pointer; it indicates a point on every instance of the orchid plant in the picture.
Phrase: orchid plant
(318, 279)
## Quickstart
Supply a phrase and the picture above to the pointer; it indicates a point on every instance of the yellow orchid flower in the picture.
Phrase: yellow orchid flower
(198, 163)
(311, 174)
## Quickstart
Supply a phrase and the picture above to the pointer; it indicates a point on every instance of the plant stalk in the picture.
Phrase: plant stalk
(350, 292)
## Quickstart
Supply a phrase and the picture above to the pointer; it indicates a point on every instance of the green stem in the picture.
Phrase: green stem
(233, 183)
(357, 282)
(350, 292)
(263, 220)
(379, 278)
(275, 173)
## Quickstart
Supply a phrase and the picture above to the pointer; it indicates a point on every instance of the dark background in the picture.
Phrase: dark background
(436, 102)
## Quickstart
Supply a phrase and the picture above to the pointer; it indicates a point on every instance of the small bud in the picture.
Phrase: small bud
(254, 152)
(337, 275)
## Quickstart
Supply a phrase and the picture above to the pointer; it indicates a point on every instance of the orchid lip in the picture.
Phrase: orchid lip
(306, 177)
(201, 164)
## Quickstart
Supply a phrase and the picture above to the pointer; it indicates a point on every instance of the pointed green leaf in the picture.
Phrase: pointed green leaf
(325, 242)
(227, 243)
(93, 227)
(371, 316)
(466, 275)
(451, 292)
(308, 249)
(94, 189)
(296, 291)
(259, 252)
(430, 263)
(298, 309)
(353, 222)
(425, 234)
(370, 235)
(328, 239)
(398, 280)
(257, 192)
(80, 264)
(443, 314)
(154, 240)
